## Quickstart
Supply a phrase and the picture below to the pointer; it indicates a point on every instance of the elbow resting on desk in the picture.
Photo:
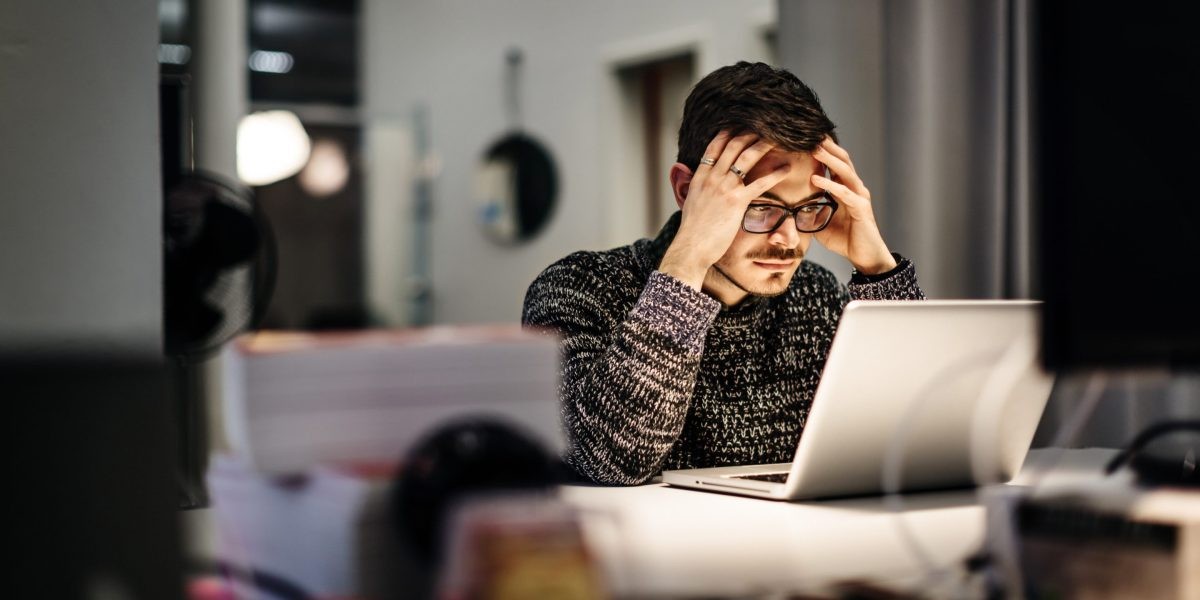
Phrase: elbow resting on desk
(615, 458)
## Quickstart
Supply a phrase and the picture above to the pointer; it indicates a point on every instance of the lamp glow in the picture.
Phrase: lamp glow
(271, 146)
(327, 171)
(266, 61)
(174, 54)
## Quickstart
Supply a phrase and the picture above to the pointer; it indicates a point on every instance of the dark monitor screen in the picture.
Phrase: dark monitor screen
(1116, 146)
(91, 508)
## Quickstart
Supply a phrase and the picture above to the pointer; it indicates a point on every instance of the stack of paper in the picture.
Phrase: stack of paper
(294, 400)
(300, 534)
(318, 423)
(1110, 540)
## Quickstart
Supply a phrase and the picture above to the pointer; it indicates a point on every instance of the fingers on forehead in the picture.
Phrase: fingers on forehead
(747, 154)
(732, 150)
(759, 149)
(833, 187)
(767, 181)
(717, 145)
(831, 160)
(742, 141)
(833, 148)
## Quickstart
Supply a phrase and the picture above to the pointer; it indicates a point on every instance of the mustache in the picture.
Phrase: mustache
(776, 253)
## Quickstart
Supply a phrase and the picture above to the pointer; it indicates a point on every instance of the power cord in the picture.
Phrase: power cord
(1183, 472)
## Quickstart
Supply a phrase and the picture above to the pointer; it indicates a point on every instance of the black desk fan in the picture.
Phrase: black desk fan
(218, 272)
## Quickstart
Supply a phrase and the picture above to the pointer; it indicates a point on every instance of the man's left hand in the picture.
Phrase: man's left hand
(853, 232)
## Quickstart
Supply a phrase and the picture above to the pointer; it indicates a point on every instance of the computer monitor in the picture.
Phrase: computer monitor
(1116, 147)
(90, 497)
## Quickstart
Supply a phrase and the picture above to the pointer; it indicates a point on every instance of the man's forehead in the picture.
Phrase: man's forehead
(776, 157)
(800, 161)
(795, 188)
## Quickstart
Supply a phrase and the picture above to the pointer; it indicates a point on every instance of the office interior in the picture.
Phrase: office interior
(384, 222)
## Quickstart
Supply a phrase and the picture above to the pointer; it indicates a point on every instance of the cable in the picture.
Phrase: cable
(1144, 437)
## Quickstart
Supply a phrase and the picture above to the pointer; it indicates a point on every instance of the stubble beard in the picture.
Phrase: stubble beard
(776, 284)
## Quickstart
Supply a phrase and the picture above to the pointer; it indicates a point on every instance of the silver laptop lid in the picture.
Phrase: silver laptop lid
(951, 390)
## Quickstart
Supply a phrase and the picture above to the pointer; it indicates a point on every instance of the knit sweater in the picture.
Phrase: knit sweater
(658, 375)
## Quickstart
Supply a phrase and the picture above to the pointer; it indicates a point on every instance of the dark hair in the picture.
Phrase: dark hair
(752, 97)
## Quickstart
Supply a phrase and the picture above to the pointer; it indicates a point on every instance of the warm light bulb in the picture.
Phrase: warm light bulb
(271, 145)
(328, 169)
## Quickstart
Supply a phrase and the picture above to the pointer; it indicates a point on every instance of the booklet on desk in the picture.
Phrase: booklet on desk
(326, 535)
(295, 399)
(1110, 540)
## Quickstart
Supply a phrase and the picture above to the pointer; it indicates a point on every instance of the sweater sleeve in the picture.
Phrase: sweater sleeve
(898, 284)
(627, 379)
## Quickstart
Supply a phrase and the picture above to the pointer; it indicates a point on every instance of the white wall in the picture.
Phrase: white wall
(80, 237)
(448, 55)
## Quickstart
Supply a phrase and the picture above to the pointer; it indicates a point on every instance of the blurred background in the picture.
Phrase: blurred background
(393, 217)
(402, 213)
(419, 162)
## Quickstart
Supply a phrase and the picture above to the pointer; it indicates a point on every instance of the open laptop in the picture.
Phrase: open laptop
(921, 395)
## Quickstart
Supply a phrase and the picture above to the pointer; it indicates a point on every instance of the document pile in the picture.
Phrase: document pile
(325, 534)
(318, 424)
(294, 400)
(1108, 541)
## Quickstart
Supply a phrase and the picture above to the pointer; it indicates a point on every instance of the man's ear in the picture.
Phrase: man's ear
(681, 179)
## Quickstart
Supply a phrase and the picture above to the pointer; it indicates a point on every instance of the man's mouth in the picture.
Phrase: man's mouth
(774, 265)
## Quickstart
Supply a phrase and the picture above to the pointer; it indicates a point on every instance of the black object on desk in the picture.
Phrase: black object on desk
(459, 460)
(1159, 455)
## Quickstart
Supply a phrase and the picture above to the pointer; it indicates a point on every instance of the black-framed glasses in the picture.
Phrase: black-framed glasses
(810, 217)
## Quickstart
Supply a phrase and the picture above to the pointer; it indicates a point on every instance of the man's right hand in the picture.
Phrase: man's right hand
(716, 200)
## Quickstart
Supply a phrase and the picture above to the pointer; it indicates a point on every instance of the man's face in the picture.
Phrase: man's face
(762, 264)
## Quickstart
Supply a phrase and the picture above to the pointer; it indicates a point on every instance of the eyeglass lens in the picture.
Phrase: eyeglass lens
(765, 218)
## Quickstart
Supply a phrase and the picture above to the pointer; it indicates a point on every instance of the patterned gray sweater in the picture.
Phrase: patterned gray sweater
(657, 375)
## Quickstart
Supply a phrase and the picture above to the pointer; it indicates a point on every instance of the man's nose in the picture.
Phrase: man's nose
(786, 234)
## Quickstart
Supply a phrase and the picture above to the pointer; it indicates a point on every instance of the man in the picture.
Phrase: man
(703, 347)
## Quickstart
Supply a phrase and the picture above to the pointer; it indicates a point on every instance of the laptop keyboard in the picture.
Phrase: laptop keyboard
(772, 477)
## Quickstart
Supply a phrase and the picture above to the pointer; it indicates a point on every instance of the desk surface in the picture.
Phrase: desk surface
(331, 536)
(657, 540)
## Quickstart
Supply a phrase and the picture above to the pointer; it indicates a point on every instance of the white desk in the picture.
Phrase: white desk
(332, 536)
(655, 540)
